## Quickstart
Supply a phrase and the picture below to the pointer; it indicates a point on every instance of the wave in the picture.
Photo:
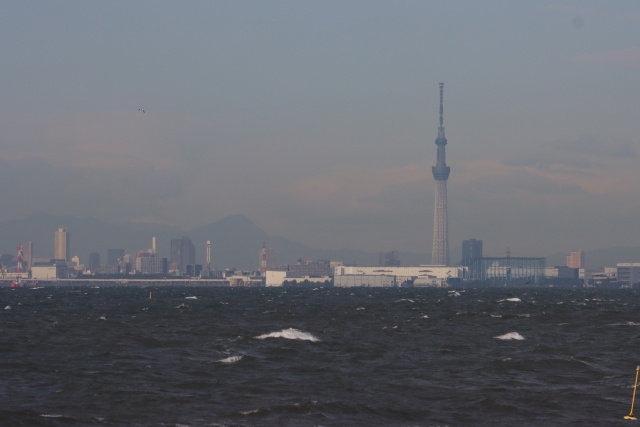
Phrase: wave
(231, 359)
(190, 297)
(510, 336)
(628, 323)
(290, 334)
(510, 300)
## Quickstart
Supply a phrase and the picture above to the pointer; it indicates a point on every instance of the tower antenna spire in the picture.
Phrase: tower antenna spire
(441, 128)
(441, 103)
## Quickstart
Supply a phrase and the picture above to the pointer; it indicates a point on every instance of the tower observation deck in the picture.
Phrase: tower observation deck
(440, 250)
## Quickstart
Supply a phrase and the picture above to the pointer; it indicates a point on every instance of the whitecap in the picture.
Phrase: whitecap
(359, 308)
(51, 415)
(190, 297)
(252, 411)
(425, 317)
(510, 300)
(8, 307)
(454, 294)
(102, 318)
(290, 334)
(181, 306)
(510, 336)
(230, 359)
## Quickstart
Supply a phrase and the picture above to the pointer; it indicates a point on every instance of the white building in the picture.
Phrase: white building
(49, 272)
(424, 275)
(277, 278)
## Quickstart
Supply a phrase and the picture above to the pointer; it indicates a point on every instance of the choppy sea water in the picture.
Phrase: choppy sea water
(316, 357)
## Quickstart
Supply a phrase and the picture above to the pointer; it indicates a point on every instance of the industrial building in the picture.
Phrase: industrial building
(471, 249)
(628, 273)
(424, 275)
(506, 269)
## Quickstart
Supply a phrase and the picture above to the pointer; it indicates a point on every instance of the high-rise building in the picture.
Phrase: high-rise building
(389, 259)
(576, 260)
(471, 249)
(62, 245)
(183, 253)
(114, 256)
(94, 260)
(208, 255)
(150, 263)
(440, 249)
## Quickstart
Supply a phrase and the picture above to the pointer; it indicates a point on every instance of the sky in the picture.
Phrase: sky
(318, 119)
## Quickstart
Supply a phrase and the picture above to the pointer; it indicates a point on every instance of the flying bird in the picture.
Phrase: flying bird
(142, 109)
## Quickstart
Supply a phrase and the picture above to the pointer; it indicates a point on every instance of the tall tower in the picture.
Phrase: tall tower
(62, 245)
(208, 255)
(440, 251)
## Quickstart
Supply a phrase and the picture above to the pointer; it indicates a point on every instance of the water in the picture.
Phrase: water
(325, 357)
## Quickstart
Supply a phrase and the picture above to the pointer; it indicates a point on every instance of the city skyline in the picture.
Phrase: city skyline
(316, 119)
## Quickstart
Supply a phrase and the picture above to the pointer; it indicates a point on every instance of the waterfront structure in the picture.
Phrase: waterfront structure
(52, 272)
(62, 249)
(440, 249)
(507, 269)
(308, 268)
(424, 275)
(183, 253)
(576, 260)
(471, 249)
(561, 272)
(278, 278)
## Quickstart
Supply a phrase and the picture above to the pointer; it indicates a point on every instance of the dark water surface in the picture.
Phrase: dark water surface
(325, 357)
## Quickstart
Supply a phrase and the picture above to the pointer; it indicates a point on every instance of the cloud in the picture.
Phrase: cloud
(623, 58)
(351, 189)
(634, 17)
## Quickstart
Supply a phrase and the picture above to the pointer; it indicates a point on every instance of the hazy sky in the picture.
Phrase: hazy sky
(317, 119)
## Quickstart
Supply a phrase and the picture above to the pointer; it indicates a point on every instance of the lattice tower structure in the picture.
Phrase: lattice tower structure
(440, 249)
(19, 268)
(263, 259)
